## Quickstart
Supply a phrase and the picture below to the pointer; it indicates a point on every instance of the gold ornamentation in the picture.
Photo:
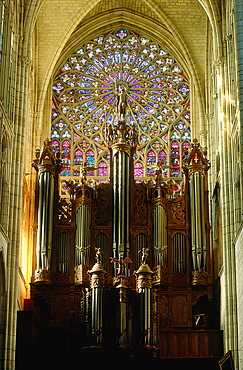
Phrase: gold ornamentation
(97, 274)
(160, 275)
(80, 275)
(178, 210)
(64, 212)
(121, 264)
(43, 276)
(102, 204)
(199, 277)
(143, 277)
(121, 138)
(141, 208)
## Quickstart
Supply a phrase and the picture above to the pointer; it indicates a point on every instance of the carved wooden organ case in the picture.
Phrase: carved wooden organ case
(126, 264)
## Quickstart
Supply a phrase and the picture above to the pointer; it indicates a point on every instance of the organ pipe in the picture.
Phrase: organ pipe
(179, 253)
(48, 166)
(114, 206)
(82, 241)
(45, 213)
(195, 167)
(63, 253)
(121, 201)
(97, 281)
(192, 212)
(128, 202)
(198, 232)
(144, 286)
(160, 236)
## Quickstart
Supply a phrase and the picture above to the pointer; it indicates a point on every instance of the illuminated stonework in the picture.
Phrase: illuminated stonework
(85, 97)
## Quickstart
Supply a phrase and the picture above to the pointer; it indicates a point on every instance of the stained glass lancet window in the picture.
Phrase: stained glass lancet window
(84, 105)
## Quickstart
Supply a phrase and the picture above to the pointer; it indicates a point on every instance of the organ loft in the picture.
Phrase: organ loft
(122, 265)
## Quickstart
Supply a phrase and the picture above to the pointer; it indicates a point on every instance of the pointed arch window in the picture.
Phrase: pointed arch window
(158, 104)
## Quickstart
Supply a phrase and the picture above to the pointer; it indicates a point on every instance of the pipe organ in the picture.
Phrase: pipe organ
(122, 264)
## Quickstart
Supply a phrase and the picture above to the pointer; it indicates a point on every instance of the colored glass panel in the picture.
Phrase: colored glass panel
(138, 169)
(85, 97)
(78, 157)
(175, 159)
(102, 169)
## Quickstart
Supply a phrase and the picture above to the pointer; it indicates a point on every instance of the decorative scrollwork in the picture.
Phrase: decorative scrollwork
(102, 205)
(141, 209)
(64, 212)
(178, 210)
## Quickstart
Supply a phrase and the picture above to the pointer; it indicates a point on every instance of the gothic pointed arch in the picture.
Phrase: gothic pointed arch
(165, 31)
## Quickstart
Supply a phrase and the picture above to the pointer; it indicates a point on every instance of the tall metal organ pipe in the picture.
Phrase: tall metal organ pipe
(82, 241)
(160, 236)
(45, 219)
(198, 228)
(121, 204)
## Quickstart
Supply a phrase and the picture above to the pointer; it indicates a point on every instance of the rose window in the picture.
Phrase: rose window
(85, 95)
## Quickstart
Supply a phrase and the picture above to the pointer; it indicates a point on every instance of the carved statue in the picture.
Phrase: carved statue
(144, 257)
(159, 172)
(121, 264)
(121, 105)
(83, 173)
(98, 255)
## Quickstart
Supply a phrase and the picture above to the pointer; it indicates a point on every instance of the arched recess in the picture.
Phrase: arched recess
(147, 26)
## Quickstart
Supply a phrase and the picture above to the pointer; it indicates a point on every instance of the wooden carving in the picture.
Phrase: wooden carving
(179, 311)
(64, 212)
(102, 204)
(178, 210)
(141, 209)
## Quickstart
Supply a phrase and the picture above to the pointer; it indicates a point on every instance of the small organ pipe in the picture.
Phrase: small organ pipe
(63, 252)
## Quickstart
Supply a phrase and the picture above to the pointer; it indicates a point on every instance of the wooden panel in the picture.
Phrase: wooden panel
(184, 345)
(196, 344)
